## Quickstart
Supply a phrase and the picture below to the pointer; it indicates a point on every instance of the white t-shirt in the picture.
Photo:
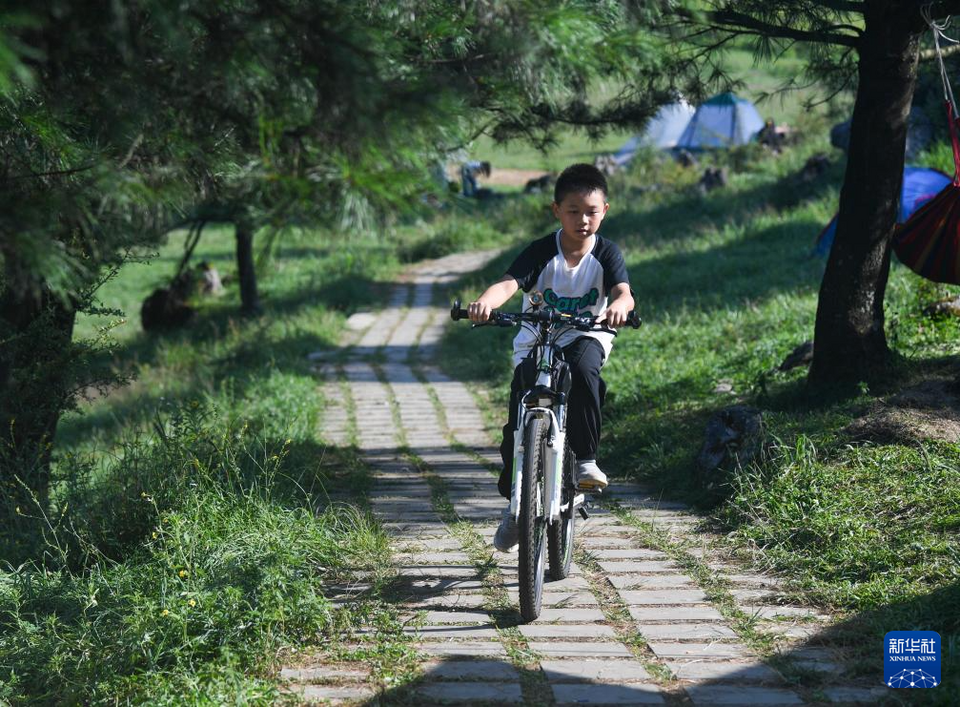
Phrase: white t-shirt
(542, 267)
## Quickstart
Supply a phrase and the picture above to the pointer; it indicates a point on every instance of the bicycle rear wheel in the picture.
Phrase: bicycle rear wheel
(560, 532)
(533, 536)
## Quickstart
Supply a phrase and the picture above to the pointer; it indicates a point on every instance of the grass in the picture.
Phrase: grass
(728, 287)
(199, 518)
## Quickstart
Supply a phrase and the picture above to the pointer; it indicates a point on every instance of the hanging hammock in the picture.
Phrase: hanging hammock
(929, 241)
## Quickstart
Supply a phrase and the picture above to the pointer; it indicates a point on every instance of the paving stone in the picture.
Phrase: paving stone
(689, 651)
(775, 612)
(725, 672)
(818, 660)
(444, 585)
(650, 581)
(568, 649)
(783, 630)
(866, 695)
(607, 694)
(413, 505)
(570, 615)
(442, 543)
(627, 554)
(323, 673)
(609, 541)
(677, 596)
(601, 517)
(564, 585)
(638, 566)
(616, 671)
(741, 696)
(561, 599)
(421, 529)
(760, 580)
(675, 613)
(685, 631)
(456, 617)
(425, 558)
(608, 530)
(448, 633)
(459, 692)
(494, 670)
(753, 596)
(463, 571)
(568, 631)
(317, 693)
(465, 649)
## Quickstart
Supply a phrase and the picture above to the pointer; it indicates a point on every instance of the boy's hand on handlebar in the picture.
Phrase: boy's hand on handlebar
(616, 314)
(479, 311)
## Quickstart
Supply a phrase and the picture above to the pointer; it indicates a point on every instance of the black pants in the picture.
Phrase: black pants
(585, 357)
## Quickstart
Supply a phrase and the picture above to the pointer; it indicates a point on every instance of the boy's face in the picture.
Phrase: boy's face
(581, 214)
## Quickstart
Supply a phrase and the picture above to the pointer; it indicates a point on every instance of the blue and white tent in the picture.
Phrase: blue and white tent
(723, 121)
(662, 132)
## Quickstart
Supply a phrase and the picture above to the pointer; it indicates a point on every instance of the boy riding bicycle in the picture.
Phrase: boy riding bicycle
(577, 271)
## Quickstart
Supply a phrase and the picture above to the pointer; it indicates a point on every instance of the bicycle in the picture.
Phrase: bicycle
(544, 495)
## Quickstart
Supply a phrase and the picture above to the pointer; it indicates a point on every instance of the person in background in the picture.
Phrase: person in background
(468, 176)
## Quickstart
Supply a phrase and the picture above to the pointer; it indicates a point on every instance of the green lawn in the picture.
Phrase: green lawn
(727, 286)
(193, 534)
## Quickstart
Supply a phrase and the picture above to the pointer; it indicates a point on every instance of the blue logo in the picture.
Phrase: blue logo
(911, 659)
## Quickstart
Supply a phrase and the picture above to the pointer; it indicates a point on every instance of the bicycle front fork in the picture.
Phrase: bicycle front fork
(552, 462)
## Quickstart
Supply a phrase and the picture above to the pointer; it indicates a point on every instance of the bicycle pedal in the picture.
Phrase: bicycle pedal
(583, 513)
(596, 490)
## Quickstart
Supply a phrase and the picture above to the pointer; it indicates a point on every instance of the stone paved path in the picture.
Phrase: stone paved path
(631, 626)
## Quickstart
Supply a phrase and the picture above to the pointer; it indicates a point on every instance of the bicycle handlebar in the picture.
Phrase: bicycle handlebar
(543, 316)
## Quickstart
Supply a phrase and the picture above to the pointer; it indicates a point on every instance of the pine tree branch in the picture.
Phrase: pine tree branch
(731, 21)
(929, 54)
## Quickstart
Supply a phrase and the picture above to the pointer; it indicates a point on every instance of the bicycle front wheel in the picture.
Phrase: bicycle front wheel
(533, 536)
(560, 532)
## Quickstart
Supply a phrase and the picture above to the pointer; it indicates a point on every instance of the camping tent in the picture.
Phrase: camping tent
(920, 184)
(723, 121)
(662, 131)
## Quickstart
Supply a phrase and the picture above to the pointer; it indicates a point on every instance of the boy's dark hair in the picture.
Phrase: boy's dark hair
(579, 178)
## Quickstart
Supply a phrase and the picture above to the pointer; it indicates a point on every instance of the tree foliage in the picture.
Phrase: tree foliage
(873, 45)
(119, 121)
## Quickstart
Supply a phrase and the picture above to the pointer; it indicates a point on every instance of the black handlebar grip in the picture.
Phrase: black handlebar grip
(633, 320)
(456, 314)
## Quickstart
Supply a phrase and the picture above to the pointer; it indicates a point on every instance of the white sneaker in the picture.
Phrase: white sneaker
(507, 537)
(589, 476)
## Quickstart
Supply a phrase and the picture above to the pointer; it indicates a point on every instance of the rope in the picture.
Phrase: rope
(938, 30)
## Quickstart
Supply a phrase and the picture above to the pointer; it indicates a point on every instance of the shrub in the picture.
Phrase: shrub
(175, 572)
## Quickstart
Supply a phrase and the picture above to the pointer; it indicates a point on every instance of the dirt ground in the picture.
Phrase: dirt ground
(499, 177)
(930, 410)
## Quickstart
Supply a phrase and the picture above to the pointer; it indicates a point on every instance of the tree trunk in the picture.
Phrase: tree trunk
(849, 338)
(247, 274)
(35, 385)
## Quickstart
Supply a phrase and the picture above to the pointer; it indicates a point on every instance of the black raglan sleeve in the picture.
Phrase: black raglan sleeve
(532, 260)
(614, 267)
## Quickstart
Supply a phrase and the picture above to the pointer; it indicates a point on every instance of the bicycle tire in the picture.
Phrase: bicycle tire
(560, 533)
(532, 523)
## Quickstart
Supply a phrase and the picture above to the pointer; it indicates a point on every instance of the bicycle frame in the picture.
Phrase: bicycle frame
(545, 350)
(546, 525)
(543, 402)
